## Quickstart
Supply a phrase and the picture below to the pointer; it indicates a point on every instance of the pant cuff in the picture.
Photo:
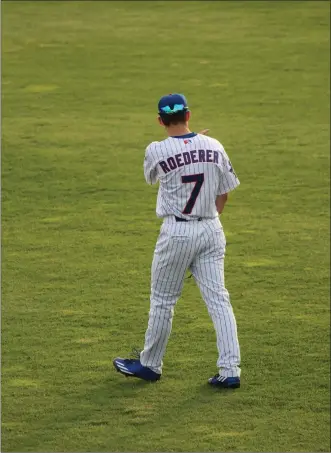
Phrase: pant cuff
(230, 372)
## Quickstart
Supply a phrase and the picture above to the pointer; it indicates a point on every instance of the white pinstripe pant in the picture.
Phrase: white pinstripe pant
(200, 247)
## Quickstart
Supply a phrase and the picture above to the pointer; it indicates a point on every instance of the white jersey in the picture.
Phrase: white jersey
(193, 170)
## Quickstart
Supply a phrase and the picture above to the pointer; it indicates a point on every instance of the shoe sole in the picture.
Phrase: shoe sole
(234, 386)
(231, 386)
(132, 375)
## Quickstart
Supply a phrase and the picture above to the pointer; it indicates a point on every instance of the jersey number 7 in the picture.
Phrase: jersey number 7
(198, 179)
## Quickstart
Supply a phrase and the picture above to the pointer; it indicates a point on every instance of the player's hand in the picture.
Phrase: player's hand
(204, 131)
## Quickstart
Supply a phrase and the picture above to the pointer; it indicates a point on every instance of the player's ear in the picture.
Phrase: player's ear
(188, 115)
(160, 121)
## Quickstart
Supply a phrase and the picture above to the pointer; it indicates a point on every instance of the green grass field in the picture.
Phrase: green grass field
(79, 90)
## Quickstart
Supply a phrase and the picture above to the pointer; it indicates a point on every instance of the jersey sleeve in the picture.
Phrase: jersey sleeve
(150, 170)
(228, 178)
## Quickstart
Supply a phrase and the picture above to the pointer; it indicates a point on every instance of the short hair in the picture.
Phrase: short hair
(175, 118)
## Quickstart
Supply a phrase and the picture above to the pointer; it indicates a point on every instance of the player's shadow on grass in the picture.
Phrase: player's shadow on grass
(132, 383)
(206, 389)
(127, 384)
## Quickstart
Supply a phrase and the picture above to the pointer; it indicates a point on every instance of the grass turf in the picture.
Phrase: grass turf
(80, 86)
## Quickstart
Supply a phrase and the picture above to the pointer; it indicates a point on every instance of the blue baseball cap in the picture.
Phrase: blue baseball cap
(172, 103)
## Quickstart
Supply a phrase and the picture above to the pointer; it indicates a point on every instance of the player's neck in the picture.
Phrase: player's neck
(177, 130)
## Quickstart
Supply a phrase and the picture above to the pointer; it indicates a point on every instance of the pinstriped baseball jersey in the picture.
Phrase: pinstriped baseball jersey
(193, 170)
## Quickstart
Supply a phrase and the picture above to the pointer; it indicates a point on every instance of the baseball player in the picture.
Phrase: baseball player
(195, 176)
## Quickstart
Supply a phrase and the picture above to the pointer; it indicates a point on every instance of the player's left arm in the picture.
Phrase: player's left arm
(150, 170)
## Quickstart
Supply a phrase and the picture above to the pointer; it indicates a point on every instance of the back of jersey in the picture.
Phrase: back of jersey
(193, 170)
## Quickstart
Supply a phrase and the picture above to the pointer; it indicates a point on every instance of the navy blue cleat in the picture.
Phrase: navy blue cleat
(224, 382)
(133, 368)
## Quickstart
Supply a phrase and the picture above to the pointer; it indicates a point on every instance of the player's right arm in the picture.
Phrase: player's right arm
(150, 170)
(228, 180)
(220, 202)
